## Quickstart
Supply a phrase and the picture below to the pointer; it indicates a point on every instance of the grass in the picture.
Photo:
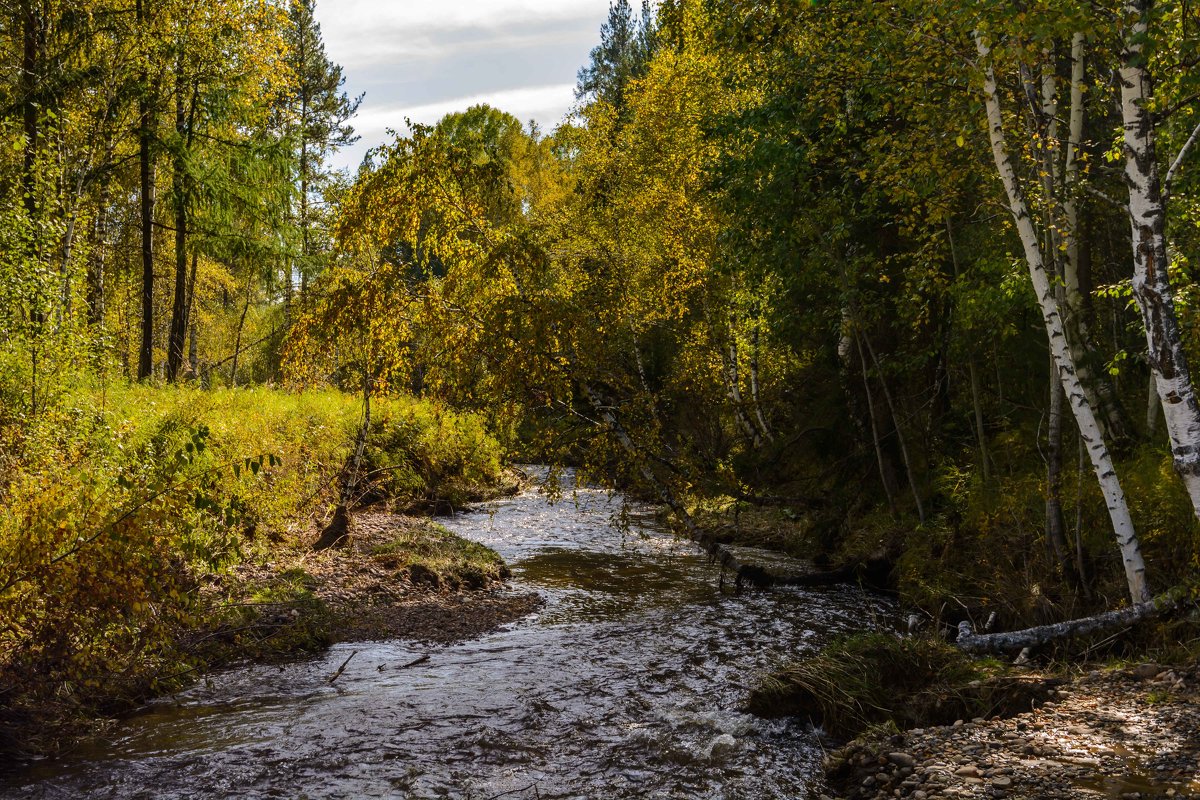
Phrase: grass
(121, 503)
(431, 554)
(869, 680)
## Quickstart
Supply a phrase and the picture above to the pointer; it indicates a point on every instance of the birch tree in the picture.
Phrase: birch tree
(1089, 429)
(1148, 197)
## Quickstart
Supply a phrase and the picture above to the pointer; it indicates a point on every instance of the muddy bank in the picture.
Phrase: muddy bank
(1130, 734)
(394, 577)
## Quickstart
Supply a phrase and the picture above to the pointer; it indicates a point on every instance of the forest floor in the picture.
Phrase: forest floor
(1126, 734)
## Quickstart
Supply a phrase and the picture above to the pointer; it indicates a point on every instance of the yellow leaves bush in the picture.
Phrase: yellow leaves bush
(122, 499)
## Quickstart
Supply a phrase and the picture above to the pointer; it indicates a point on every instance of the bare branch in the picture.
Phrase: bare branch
(1167, 181)
(1094, 192)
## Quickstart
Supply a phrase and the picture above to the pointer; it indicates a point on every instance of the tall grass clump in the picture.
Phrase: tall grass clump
(873, 679)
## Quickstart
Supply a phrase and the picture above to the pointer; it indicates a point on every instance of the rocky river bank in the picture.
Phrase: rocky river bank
(1128, 734)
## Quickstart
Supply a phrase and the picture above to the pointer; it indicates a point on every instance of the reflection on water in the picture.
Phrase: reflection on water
(626, 684)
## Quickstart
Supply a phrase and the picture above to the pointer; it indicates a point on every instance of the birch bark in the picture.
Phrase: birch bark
(1085, 418)
(1151, 282)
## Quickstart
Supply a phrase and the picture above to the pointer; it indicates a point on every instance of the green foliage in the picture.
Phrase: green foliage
(120, 500)
(425, 455)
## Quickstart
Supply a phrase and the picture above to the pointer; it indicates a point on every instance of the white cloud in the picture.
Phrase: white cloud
(364, 16)
(408, 45)
(546, 105)
(426, 58)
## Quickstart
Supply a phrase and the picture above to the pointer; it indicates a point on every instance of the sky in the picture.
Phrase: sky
(423, 59)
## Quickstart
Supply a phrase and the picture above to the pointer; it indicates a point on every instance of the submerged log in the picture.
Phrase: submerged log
(1013, 641)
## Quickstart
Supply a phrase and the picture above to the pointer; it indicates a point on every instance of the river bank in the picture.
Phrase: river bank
(395, 577)
(1125, 734)
(151, 534)
(629, 682)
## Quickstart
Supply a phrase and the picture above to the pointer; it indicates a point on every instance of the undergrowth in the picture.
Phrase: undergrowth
(873, 679)
(119, 501)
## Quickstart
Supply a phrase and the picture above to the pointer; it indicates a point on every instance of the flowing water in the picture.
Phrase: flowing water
(628, 683)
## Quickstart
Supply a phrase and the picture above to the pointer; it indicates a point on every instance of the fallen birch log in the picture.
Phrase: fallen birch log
(1013, 641)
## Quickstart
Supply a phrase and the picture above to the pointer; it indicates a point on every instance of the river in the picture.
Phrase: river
(627, 683)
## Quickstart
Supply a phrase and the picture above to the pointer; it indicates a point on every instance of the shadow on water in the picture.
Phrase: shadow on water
(628, 683)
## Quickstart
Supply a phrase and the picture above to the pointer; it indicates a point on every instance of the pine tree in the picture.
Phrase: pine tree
(626, 46)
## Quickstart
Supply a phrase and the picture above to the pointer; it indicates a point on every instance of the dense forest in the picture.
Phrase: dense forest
(758, 267)
(905, 287)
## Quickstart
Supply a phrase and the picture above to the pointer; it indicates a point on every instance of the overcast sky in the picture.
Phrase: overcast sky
(425, 58)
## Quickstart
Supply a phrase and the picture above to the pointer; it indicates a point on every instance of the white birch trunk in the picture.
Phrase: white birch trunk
(1012, 641)
(1070, 205)
(1151, 283)
(1085, 418)
(733, 384)
(1058, 181)
(763, 427)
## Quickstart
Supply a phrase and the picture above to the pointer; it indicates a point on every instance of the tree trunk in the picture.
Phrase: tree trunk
(1063, 231)
(1080, 563)
(1013, 641)
(1153, 406)
(985, 458)
(887, 396)
(68, 249)
(302, 72)
(884, 476)
(1151, 282)
(973, 374)
(729, 363)
(178, 330)
(193, 344)
(237, 345)
(146, 194)
(32, 45)
(1118, 508)
(96, 263)
(33, 38)
(1055, 534)
(761, 418)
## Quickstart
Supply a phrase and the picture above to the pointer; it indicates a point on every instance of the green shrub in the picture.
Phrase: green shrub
(117, 501)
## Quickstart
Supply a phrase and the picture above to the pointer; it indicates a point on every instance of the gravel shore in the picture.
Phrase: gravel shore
(1131, 734)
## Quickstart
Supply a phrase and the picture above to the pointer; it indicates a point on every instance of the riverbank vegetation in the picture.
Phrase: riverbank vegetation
(166, 202)
(763, 276)
(854, 280)
(149, 531)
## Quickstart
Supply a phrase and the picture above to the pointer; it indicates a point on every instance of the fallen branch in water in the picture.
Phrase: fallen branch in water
(415, 661)
(513, 791)
(342, 668)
